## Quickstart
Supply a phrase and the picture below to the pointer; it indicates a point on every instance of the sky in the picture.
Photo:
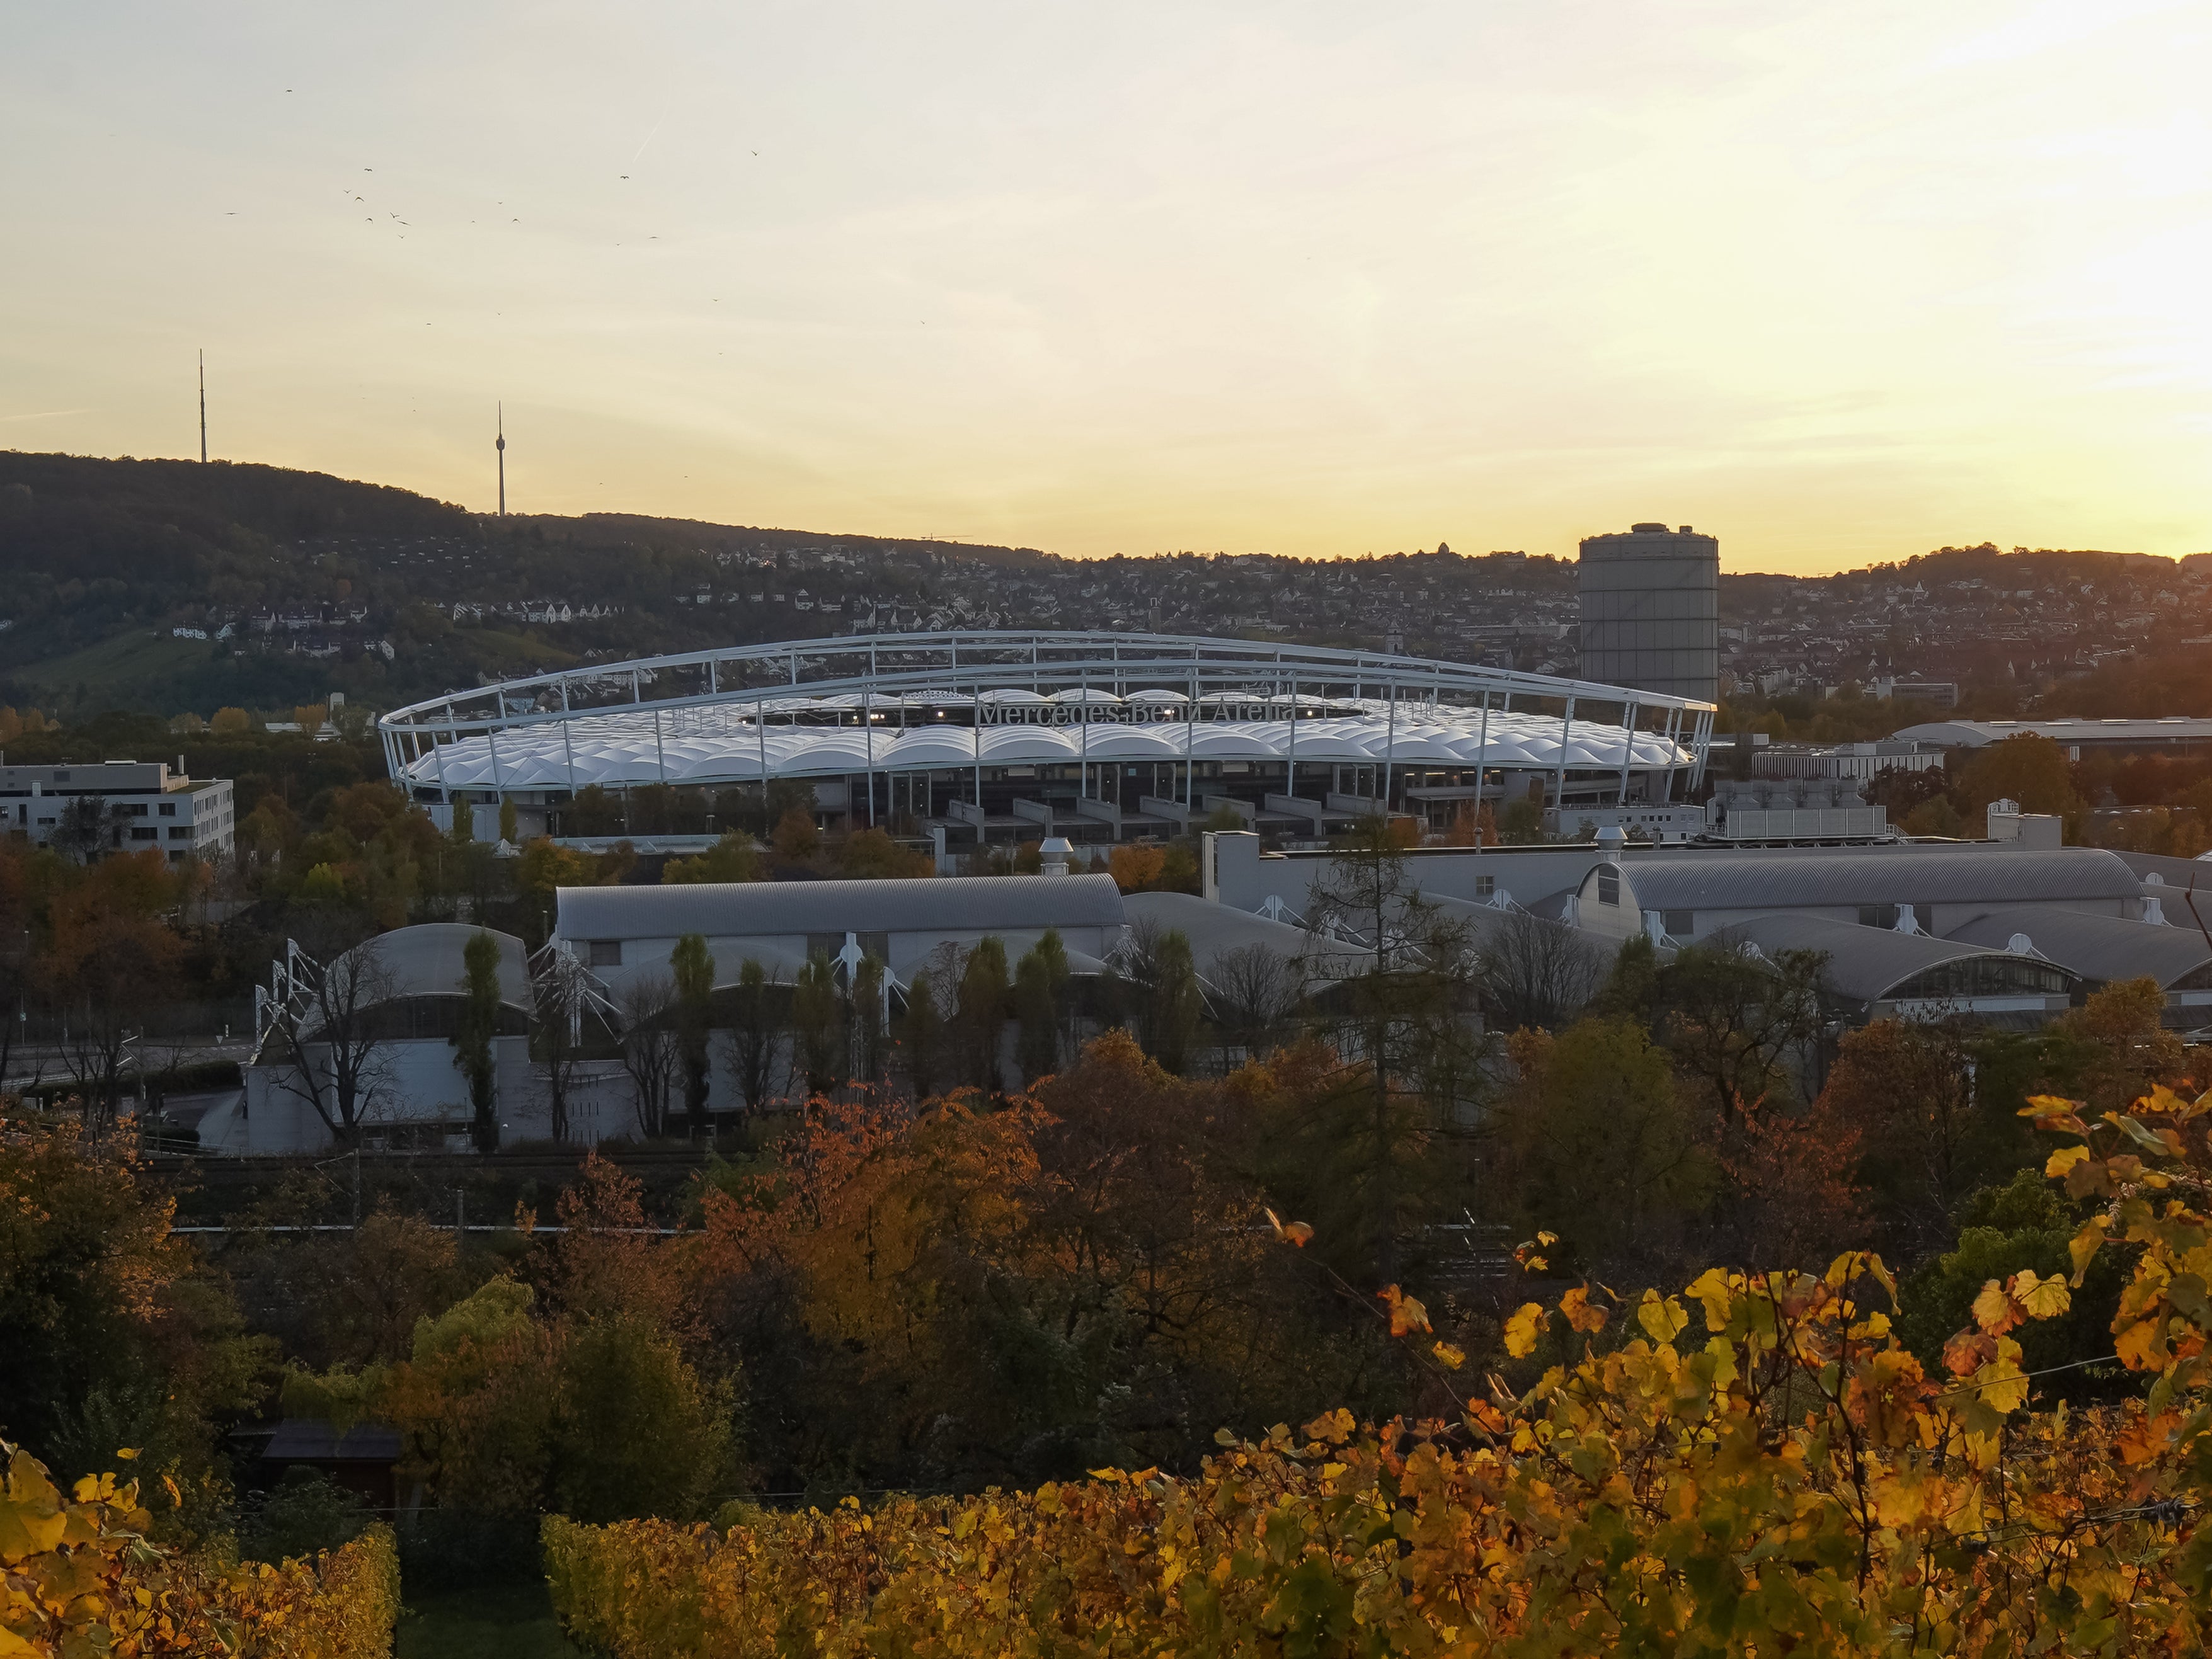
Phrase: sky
(1837, 283)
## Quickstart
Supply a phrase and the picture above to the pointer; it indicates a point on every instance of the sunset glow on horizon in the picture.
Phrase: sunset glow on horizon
(1837, 284)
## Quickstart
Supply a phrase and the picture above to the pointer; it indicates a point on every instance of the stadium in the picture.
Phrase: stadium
(1097, 737)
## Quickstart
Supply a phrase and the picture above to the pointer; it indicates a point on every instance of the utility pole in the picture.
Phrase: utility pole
(204, 408)
(502, 447)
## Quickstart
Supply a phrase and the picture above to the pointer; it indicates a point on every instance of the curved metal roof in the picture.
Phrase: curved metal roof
(1892, 875)
(1864, 964)
(1213, 929)
(1974, 733)
(2106, 947)
(951, 905)
(425, 961)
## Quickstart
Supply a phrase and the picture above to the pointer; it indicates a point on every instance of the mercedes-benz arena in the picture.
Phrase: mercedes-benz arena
(1098, 735)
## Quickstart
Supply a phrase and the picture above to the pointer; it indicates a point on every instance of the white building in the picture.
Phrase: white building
(121, 806)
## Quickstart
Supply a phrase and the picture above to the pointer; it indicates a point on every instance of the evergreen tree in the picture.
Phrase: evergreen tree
(753, 1029)
(979, 1017)
(472, 1041)
(817, 1026)
(921, 1038)
(694, 970)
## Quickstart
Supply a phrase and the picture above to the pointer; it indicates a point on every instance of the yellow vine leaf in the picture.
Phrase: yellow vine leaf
(2002, 1383)
(1522, 1330)
(2140, 1344)
(2044, 1298)
(2084, 1245)
(1406, 1313)
(1576, 1305)
(1994, 1310)
(2062, 1160)
(1450, 1358)
(1664, 1320)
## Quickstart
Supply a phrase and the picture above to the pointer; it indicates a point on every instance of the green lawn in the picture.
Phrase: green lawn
(505, 1621)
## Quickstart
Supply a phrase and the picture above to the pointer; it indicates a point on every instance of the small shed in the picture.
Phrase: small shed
(362, 1459)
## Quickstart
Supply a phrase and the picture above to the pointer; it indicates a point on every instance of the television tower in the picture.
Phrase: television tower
(203, 408)
(502, 447)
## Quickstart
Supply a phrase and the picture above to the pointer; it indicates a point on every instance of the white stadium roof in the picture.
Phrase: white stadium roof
(909, 703)
(724, 745)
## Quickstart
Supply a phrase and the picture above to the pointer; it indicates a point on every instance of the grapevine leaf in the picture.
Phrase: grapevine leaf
(2043, 1299)
(1406, 1313)
(1994, 1310)
(1576, 1305)
(2062, 1160)
(1664, 1321)
(1522, 1330)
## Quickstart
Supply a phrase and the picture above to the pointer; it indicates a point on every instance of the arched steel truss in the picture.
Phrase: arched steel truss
(982, 678)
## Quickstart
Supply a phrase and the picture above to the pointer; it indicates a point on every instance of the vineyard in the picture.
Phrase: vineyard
(974, 1316)
(81, 1577)
(1756, 1465)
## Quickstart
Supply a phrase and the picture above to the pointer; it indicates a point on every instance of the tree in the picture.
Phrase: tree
(112, 1327)
(1037, 1047)
(1170, 1006)
(473, 1035)
(979, 1018)
(1136, 866)
(1909, 1085)
(1603, 1154)
(921, 1036)
(1737, 1021)
(1401, 1016)
(362, 1292)
(2027, 768)
(329, 1041)
(592, 812)
(2120, 1046)
(509, 832)
(868, 1008)
(17, 975)
(635, 1430)
(796, 840)
(1522, 823)
(871, 855)
(648, 1049)
(818, 1024)
(1631, 990)
(754, 1027)
(693, 968)
(1534, 972)
(1256, 993)
(732, 858)
(110, 958)
(231, 722)
(87, 826)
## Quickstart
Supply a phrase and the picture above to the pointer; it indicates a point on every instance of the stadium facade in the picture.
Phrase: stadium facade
(1118, 735)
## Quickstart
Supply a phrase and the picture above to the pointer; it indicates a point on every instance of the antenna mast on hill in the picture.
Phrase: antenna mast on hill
(502, 447)
(204, 408)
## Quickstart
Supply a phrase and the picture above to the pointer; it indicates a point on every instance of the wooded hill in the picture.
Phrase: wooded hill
(104, 560)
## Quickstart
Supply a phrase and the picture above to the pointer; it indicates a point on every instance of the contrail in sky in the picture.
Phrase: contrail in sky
(655, 133)
(43, 415)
